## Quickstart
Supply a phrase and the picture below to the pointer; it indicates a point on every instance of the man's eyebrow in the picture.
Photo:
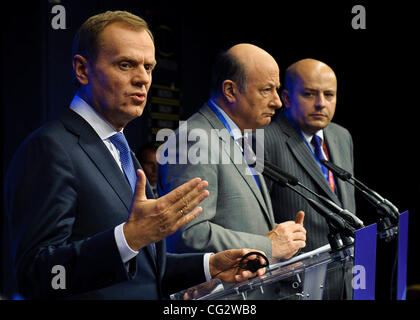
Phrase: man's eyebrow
(273, 85)
(136, 62)
(316, 90)
(127, 58)
(133, 59)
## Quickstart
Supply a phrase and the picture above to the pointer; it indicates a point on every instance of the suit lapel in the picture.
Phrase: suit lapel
(305, 157)
(267, 198)
(94, 147)
(240, 164)
(335, 155)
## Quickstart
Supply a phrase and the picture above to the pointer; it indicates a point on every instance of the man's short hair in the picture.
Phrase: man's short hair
(290, 78)
(227, 67)
(86, 40)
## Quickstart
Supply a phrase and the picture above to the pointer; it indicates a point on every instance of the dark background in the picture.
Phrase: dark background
(376, 70)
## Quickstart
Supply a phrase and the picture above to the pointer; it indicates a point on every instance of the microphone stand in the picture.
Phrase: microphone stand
(337, 225)
(387, 219)
(387, 212)
(347, 215)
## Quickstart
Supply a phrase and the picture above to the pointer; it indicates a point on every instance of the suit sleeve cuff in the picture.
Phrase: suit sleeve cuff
(126, 252)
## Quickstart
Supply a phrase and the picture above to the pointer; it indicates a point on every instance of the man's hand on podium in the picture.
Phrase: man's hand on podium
(225, 265)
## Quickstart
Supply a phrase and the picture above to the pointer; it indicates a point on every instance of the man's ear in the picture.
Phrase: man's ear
(81, 68)
(229, 90)
(285, 97)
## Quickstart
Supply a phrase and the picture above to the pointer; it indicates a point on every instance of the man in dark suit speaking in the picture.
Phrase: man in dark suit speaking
(299, 136)
(76, 199)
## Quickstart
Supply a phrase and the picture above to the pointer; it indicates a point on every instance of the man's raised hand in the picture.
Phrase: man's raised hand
(152, 220)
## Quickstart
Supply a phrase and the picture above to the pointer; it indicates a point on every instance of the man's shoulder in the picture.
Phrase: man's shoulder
(49, 130)
(200, 119)
(42, 145)
(278, 128)
(338, 129)
(278, 121)
(52, 133)
(197, 121)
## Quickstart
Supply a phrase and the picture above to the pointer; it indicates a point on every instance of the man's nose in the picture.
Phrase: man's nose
(320, 101)
(141, 77)
(276, 101)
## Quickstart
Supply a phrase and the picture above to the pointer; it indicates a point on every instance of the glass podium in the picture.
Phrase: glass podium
(300, 278)
(345, 273)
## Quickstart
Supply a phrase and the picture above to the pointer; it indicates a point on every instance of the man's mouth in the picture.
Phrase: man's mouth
(318, 116)
(269, 114)
(138, 98)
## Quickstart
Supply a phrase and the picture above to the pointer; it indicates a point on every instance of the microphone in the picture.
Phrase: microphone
(384, 207)
(347, 215)
(336, 223)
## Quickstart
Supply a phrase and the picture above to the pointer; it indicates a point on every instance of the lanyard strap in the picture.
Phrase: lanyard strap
(215, 109)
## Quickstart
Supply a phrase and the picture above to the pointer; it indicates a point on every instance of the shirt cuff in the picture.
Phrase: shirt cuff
(126, 252)
(206, 262)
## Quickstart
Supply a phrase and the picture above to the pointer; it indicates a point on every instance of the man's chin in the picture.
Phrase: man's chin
(266, 122)
(138, 110)
(319, 125)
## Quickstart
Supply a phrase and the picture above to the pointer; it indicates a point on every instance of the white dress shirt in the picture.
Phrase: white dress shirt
(105, 130)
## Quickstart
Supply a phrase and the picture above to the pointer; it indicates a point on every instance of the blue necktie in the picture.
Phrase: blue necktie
(317, 143)
(119, 141)
(127, 165)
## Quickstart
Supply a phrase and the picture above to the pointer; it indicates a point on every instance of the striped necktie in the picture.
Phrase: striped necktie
(319, 146)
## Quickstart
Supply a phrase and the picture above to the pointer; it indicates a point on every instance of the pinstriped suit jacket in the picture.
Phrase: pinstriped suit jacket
(285, 147)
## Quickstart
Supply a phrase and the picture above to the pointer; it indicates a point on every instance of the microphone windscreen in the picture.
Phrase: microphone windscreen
(341, 173)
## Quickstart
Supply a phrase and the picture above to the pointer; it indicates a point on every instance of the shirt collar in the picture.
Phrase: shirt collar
(102, 127)
(236, 132)
(308, 138)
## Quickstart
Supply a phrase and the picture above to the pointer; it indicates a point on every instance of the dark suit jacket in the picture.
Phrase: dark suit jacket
(64, 194)
(284, 146)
